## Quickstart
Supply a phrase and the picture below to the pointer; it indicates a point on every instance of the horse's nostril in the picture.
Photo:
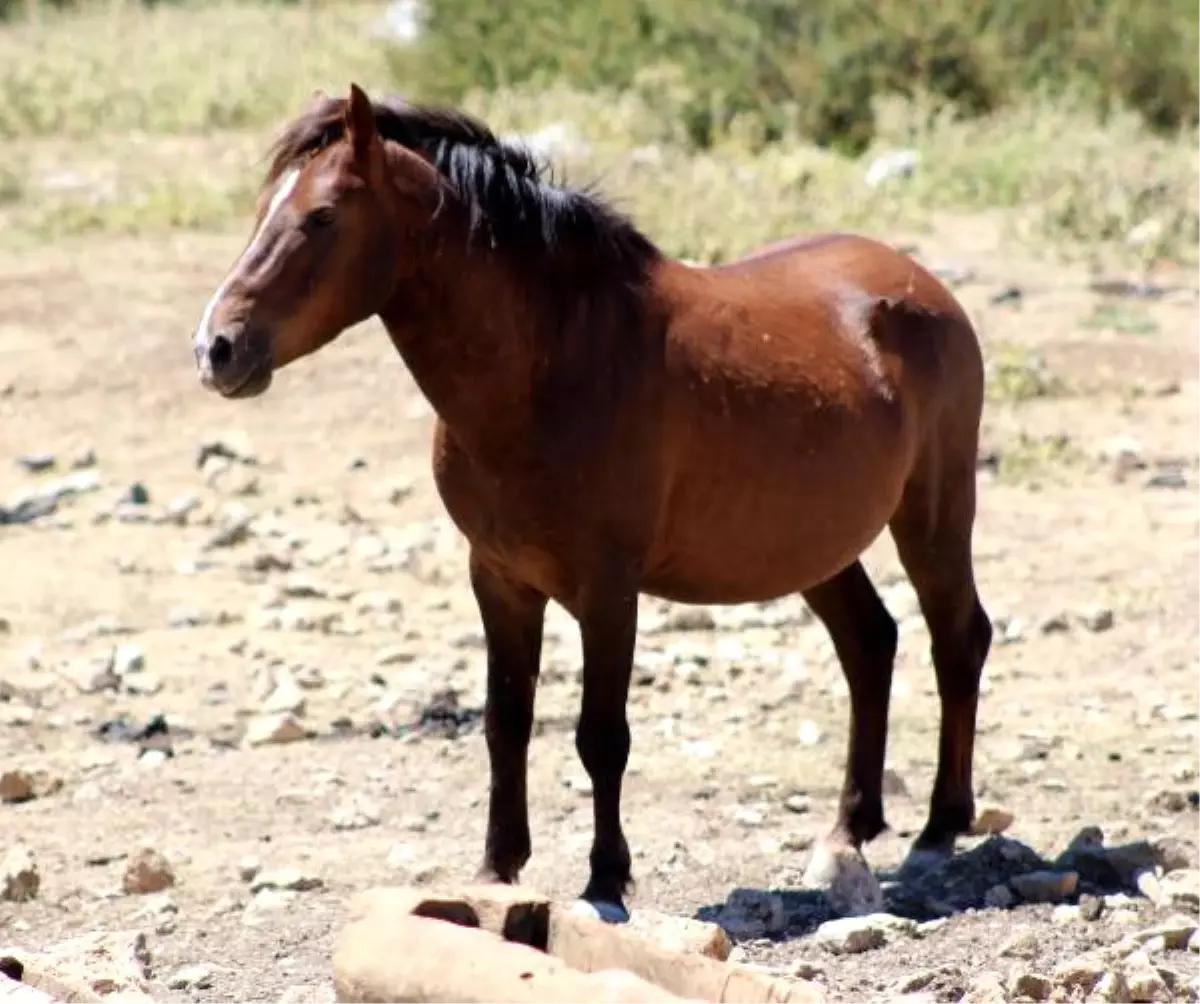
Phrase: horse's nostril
(220, 353)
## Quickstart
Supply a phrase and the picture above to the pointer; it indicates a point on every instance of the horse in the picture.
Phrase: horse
(612, 422)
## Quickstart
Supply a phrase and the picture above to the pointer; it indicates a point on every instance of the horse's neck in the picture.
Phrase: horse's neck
(462, 341)
(484, 342)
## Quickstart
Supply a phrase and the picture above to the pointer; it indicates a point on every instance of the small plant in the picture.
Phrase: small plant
(1015, 376)
(1031, 459)
(1122, 318)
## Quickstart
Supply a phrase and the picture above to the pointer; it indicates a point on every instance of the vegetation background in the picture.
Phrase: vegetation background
(1076, 118)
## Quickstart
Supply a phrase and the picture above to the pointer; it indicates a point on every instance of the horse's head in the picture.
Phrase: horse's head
(336, 209)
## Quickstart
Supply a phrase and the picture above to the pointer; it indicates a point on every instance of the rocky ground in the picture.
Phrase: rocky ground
(242, 672)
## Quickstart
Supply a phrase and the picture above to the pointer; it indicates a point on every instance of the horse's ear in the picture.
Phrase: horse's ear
(319, 96)
(360, 121)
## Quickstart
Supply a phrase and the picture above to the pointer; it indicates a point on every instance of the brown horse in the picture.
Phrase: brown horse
(612, 422)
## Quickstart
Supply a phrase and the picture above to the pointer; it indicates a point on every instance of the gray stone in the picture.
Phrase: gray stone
(1045, 886)
(752, 913)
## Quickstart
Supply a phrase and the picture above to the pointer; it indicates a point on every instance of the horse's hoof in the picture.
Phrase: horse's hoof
(609, 913)
(842, 873)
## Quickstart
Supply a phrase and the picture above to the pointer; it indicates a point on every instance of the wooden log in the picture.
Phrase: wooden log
(381, 957)
(15, 992)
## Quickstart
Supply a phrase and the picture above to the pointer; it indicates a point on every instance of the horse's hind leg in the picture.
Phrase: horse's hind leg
(864, 636)
(932, 529)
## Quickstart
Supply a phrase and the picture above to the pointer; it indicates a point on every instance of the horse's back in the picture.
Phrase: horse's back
(842, 289)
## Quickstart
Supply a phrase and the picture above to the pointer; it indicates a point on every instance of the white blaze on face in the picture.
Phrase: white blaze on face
(286, 186)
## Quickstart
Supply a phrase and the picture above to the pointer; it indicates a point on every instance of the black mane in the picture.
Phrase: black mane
(507, 192)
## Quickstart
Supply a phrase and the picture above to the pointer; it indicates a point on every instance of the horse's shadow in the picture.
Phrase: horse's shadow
(999, 873)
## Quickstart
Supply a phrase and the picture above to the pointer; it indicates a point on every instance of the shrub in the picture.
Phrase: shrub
(818, 66)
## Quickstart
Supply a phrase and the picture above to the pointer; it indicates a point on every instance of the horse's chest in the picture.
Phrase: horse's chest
(515, 515)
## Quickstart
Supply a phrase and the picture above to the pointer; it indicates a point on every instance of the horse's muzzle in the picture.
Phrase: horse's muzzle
(234, 364)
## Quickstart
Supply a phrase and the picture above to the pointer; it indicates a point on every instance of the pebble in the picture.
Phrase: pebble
(267, 901)
(1172, 854)
(1079, 975)
(1111, 988)
(20, 785)
(1032, 985)
(286, 697)
(853, 935)
(985, 988)
(811, 733)
(1024, 944)
(19, 876)
(355, 814)
(1180, 889)
(275, 729)
(747, 817)
(248, 867)
(128, 659)
(147, 871)
(806, 969)
(1065, 913)
(395, 655)
(1095, 618)
(36, 463)
(197, 977)
(285, 879)
(991, 820)
(797, 803)
(1143, 980)
(1176, 931)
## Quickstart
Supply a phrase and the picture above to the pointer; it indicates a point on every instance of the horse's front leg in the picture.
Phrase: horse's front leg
(608, 628)
(513, 617)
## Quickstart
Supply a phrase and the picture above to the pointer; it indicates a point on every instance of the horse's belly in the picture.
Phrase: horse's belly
(741, 529)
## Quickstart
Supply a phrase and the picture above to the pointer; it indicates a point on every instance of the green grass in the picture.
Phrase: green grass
(1016, 375)
(120, 68)
(126, 120)
(1035, 460)
(1121, 318)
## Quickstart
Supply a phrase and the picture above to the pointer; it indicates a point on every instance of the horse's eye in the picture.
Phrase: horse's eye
(318, 218)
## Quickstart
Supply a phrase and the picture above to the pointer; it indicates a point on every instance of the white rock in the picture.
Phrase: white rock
(896, 164)
(851, 935)
(197, 977)
(275, 729)
(19, 876)
(355, 814)
(292, 879)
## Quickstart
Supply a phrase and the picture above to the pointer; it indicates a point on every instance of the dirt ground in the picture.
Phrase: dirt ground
(314, 566)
